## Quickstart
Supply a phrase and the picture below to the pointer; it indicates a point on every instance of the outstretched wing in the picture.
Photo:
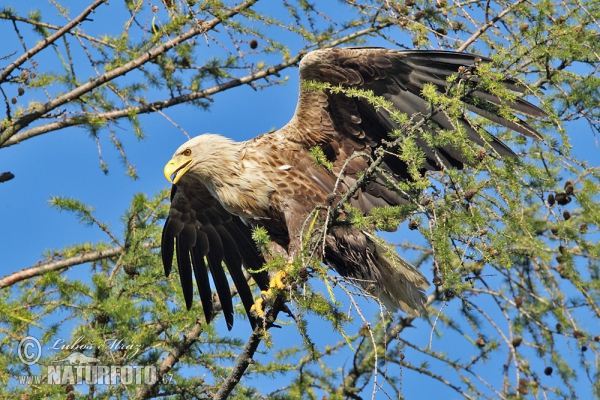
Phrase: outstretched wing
(343, 125)
(203, 236)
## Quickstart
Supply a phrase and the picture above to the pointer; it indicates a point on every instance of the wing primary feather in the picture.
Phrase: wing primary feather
(167, 245)
(249, 251)
(519, 105)
(215, 259)
(473, 135)
(233, 260)
(520, 126)
(201, 274)
(185, 268)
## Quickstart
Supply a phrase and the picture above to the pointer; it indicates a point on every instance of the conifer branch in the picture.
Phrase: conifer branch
(71, 31)
(40, 269)
(489, 25)
(158, 105)
(49, 40)
(179, 349)
(151, 54)
(246, 357)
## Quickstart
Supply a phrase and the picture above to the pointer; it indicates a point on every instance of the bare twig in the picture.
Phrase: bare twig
(245, 358)
(488, 25)
(50, 39)
(55, 28)
(37, 270)
(112, 74)
(15, 138)
(189, 339)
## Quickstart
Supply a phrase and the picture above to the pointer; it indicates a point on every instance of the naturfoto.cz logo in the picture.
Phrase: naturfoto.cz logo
(78, 368)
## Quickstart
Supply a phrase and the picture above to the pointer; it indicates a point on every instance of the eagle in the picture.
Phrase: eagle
(223, 189)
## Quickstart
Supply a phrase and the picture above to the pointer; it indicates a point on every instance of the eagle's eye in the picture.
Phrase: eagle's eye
(187, 152)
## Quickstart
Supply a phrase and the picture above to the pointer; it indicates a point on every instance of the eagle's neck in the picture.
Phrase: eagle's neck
(220, 166)
(240, 191)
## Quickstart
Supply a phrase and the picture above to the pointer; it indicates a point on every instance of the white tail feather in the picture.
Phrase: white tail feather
(401, 283)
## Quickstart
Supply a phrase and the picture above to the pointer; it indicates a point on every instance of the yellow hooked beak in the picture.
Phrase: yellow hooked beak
(176, 168)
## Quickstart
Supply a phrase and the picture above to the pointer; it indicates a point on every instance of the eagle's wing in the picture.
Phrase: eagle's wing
(343, 125)
(199, 231)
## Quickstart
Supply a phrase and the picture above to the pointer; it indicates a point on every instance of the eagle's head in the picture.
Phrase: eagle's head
(204, 156)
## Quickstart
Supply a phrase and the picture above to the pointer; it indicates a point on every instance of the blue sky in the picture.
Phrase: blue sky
(65, 163)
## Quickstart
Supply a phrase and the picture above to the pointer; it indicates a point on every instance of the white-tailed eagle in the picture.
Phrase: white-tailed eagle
(221, 188)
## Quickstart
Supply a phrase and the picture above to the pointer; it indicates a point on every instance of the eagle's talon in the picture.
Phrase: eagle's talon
(278, 281)
(264, 295)
(258, 308)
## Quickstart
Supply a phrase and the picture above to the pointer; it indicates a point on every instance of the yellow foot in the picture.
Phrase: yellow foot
(278, 281)
(258, 308)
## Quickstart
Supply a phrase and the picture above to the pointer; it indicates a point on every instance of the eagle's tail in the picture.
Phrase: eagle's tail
(399, 284)
(361, 256)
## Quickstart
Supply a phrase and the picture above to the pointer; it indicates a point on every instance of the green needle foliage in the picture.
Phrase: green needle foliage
(512, 246)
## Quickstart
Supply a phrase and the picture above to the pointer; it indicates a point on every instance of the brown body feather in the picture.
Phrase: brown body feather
(272, 180)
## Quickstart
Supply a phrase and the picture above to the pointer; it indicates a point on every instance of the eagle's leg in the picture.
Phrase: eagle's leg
(276, 283)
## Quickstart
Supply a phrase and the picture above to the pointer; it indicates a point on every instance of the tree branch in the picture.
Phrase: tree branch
(162, 104)
(245, 358)
(112, 74)
(50, 39)
(242, 363)
(55, 28)
(488, 25)
(189, 339)
(154, 106)
(37, 270)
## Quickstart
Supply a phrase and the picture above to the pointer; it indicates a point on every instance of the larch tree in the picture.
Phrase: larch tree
(511, 247)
